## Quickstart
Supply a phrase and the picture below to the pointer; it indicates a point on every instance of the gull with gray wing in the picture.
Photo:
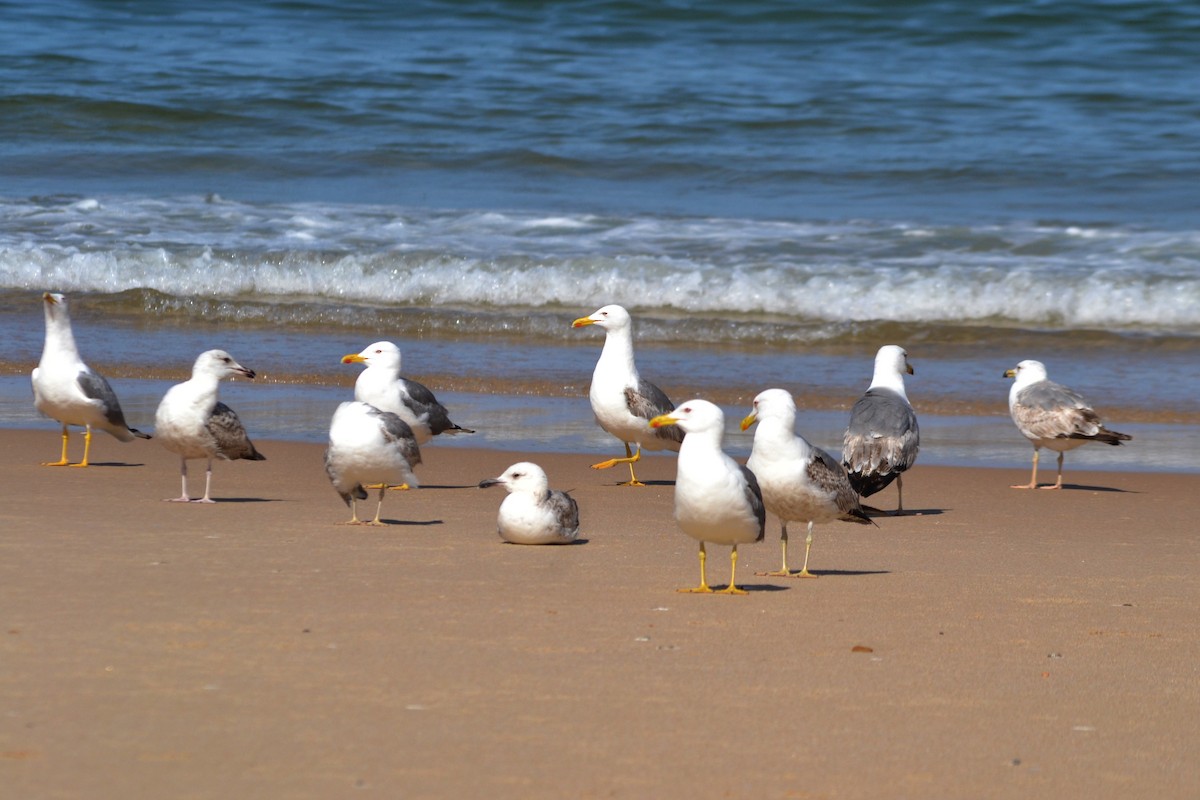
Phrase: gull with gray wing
(882, 439)
(1050, 415)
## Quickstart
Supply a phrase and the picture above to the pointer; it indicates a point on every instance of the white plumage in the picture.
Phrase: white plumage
(716, 499)
(69, 391)
(622, 400)
(1050, 415)
(533, 513)
(369, 447)
(882, 439)
(191, 421)
(799, 482)
(382, 386)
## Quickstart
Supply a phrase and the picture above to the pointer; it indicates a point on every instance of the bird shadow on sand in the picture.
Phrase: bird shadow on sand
(112, 464)
(759, 587)
(844, 573)
(571, 543)
(413, 522)
(908, 512)
(244, 500)
(1079, 487)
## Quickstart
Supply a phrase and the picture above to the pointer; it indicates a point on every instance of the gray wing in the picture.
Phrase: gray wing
(422, 402)
(648, 401)
(1047, 410)
(94, 385)
(882, 437)
(398, 432)
(830, 477)
(230, 435)
(565, 510)
(754, 499)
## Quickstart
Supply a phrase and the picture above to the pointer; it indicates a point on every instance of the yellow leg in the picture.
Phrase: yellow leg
(354, 520)
(899, 494)
(732, 587)
(1057, 483)
(630, 458)
(783, 571)
(1033, 477)
(379, 508)
(703, 587)
(804, 573)
(62, 462)
(87, 447)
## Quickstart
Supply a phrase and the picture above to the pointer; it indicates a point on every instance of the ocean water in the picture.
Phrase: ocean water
(774, 189)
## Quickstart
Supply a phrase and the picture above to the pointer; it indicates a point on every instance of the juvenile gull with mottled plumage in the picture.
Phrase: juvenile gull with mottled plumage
(882, 439)
(1050, 415)
(369, 447)
(533, 513)
(716, 499)
(191, 421)
(622, 400)
(799, 482)
(69, 391)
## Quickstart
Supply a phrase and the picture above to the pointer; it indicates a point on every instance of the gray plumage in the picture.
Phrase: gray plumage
(533, 513)
(193, 423)
(1050, 415)
(230, 439)
(369, 447)
(67, 390)
(882, 437)
(881, 440)
(648, 402)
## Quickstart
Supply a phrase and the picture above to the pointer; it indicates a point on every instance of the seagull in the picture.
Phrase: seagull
(69, 391)
(882, 438)
(799, 482)
(1051, 415)
(622, 400)
(369, 447)
(191, 421)
(382, 386)
(716, 499)
(533, 513)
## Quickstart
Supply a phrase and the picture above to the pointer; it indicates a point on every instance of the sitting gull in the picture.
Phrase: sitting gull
(191, 421)
(369, 447)
(1051, 415)
(69, 391)
(623, 401)
(882, 438)
(799, 482)
(716, 499)
(533, 513)
(382, 386)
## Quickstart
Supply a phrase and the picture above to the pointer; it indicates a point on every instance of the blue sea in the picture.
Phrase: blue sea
(774, 189)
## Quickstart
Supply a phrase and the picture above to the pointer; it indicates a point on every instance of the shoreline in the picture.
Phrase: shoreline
(255, 647)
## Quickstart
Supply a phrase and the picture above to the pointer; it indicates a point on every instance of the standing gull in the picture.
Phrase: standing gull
(799, 482)
(382, 386)
(621, 399)
(191, 421)
(716, 499)
(369, 447)
(533, 513)
(69, 391)
(882, 438)
(1051, 415)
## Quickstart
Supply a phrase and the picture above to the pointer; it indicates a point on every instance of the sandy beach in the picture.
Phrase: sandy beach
(996, 644)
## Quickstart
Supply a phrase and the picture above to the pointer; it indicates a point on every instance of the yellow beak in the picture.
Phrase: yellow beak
(910, 369)
(750, 419)
(353, 358)
(579, 323)
(1010, 373)
(49, 298)
(661, 420)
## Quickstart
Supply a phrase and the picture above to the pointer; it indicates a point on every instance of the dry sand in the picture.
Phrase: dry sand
(1000, 644)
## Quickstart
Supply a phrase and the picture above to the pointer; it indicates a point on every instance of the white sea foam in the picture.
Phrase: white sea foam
(1036, 275)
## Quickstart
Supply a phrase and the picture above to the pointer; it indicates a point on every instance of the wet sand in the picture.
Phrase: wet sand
(998, 644)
